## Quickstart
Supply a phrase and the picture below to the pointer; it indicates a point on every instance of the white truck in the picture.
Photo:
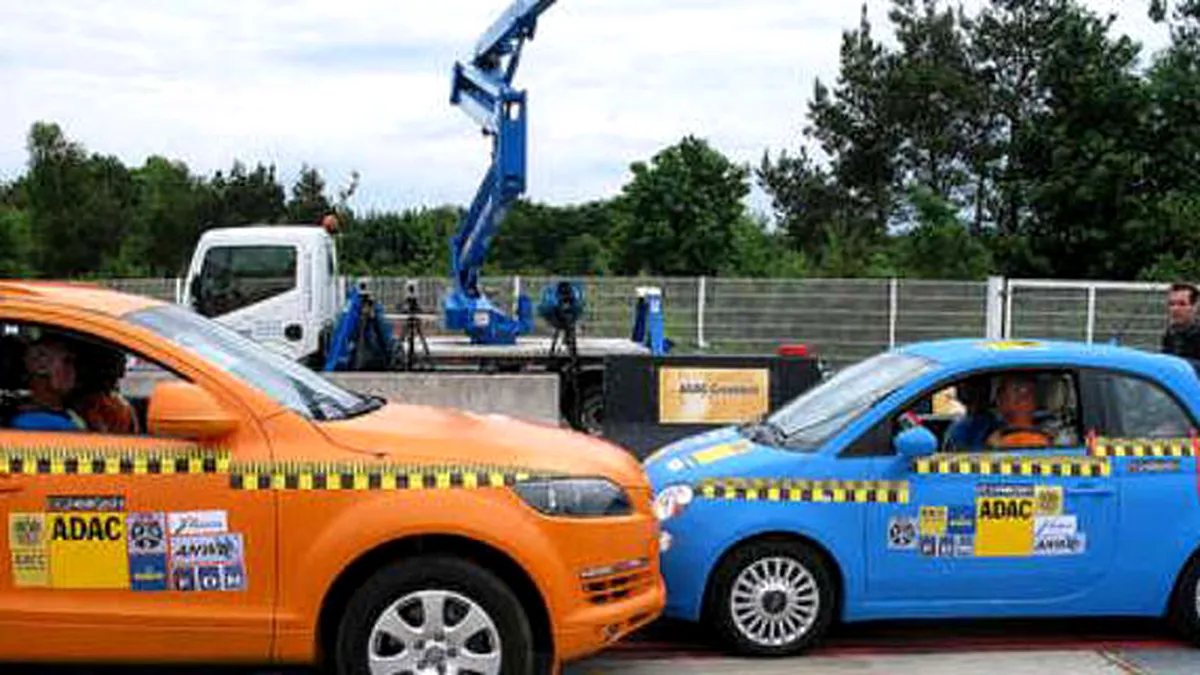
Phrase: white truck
(280, 285)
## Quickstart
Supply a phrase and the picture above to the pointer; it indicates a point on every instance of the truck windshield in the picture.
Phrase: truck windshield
(816, 415)
(233, 277)
(289, 383)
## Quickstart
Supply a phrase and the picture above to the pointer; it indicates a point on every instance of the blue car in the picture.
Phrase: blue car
(959, 478)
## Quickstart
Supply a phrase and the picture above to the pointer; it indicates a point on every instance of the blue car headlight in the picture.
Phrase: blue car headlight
(671, 501)
(575, 497)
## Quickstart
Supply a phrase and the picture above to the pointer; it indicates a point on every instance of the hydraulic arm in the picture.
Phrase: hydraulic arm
(483, 89)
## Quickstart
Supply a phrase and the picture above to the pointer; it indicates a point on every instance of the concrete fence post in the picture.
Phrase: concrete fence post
(701, 300)
(994, 303)
(893, 310)
(1091, 313)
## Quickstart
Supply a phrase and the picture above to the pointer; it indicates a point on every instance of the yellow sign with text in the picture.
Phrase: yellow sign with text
(88, 550)
(1004, 526)
(933, 521)
(712, 395)
(1049, 500)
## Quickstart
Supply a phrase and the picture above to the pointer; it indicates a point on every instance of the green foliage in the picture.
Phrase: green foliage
(941, 246)
(545, 240)
(16, 242)
(78, 204)
(760, 252)
(410, 243)
(309, 203)
(1023, 138)
(683, 209)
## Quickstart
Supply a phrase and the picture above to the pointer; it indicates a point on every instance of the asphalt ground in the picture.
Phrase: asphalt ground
(1060, 647)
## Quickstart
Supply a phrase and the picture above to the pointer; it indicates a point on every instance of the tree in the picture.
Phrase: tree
(941, 246)
(167, 221)
(683, 209)
(79, 205)
(308, 203)
(245, 198)
(1077, 155)
(16, 244)
(410, 243)
(548, 240)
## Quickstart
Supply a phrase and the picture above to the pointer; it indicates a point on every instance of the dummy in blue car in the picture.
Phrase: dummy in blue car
(970, 433)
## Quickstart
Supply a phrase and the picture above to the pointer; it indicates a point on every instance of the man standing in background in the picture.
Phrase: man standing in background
(1182, 337)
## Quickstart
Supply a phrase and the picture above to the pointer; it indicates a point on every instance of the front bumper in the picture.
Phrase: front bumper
(597, 627)
(615, 585)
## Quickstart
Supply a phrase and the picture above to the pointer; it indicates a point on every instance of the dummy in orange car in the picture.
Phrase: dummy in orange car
(173, 492)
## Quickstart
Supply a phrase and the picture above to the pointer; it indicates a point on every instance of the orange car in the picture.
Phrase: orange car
(265, 515)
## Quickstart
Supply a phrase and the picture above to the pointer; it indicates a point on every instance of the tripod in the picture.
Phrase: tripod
(411, 330)
(563, 309)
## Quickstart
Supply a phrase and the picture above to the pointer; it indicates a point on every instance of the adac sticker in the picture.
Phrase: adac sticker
(1004, 520)
(88, 550)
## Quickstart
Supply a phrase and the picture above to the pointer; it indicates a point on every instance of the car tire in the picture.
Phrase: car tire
(1184, 614)
(591, 409)
(772, 598)
(387, 618)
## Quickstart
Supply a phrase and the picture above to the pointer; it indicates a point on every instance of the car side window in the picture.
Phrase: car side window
(1141, 409)
(999, 411)
(57, 380)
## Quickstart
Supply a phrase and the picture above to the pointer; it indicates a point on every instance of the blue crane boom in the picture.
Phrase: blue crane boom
(483, 89)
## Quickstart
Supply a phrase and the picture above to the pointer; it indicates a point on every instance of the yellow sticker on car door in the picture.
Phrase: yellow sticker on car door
(88, 550)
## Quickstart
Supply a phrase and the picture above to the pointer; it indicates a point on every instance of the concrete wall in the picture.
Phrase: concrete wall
(528, 396)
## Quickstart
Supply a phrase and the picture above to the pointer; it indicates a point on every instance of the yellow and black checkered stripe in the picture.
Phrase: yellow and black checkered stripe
(835, 491)
(1003, 465)
(72, 461)
(288, 476)
(1126, 447)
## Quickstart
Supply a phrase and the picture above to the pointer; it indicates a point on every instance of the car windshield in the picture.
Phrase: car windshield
(816, 415)
(287, 382)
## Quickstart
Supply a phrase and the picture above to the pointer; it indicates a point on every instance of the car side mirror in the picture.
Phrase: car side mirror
(184, 410)
(915, 442)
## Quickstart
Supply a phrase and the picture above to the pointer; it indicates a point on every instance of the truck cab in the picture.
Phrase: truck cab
(275, 284)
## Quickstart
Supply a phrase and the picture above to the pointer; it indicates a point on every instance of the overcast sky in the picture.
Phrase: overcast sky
(364, 84)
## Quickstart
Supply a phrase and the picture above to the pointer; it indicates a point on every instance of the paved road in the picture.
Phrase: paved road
(1011, 647)
(1014, 648)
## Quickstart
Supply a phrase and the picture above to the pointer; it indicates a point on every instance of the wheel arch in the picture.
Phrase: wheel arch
(776, 536)
(337, 596)
(1169, 606)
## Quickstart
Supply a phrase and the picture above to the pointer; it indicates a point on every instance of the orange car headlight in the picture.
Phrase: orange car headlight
(576, 497)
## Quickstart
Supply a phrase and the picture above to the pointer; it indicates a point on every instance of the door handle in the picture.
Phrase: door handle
(1090, 491)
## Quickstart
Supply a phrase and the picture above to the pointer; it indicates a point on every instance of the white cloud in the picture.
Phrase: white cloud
(364, 84)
